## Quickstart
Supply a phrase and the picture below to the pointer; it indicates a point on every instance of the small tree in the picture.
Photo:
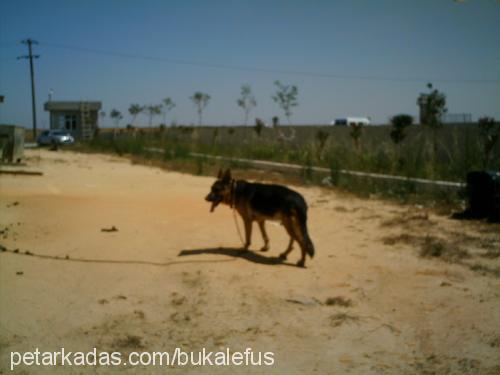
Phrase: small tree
(134, 110)
(215, 136)
(321, 137)
(398, 132)
(356, 131)
(200, 101)
(489, 131)
(116, 115)
(246, 101)
(152, 111)
(432, 108)
(399, 124)
(286, 98)
(259, 125)
(276, 121)
(167, 106)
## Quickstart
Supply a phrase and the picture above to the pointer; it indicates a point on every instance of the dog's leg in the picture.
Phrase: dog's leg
(248, 233)
(264, 236)
(288, 250)
(289, 228)
(299, 236)
(302, 261)
(293, 228)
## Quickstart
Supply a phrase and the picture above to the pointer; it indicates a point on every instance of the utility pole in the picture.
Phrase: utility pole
(30, 42)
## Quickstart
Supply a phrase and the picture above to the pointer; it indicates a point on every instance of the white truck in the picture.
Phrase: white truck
(347, 121)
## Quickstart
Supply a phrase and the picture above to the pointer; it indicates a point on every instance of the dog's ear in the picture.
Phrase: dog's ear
(219, 176)
(227, 176)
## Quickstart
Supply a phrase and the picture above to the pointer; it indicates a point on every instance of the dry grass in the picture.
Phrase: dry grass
(408, 218)
(128, 342)
(338, 319)
(491, 254)
(338, 301)
(485, 270)
(433, 247)
(407, 239)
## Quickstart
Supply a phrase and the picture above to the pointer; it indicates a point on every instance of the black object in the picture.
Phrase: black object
(483, 196)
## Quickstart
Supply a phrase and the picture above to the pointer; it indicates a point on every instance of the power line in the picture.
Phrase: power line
(29, 42)
(264, 70)
(7, 44)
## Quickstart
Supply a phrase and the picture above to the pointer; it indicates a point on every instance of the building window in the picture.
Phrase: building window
(60, 122)
(70, 122)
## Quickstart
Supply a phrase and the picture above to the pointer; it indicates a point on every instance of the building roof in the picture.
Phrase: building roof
(71, 105)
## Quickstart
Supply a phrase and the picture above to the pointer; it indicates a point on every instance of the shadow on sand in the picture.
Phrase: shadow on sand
(109, 261)
(238, 253)
(234, 253)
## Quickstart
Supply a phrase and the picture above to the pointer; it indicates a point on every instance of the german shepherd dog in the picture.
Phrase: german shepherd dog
(261, 202)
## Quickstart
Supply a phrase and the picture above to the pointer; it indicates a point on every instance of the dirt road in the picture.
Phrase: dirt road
(171, 275)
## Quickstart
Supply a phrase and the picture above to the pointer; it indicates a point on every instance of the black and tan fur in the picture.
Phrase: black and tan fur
(261, 202)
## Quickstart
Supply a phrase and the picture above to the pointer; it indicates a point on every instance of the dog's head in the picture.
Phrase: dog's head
(221, 190)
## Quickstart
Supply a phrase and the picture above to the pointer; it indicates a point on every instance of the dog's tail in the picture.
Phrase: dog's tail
(302, 216)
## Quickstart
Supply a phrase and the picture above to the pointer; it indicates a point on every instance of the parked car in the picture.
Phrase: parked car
(59, 137)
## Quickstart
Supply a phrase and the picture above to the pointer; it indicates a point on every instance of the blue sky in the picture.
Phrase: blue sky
(367, 58)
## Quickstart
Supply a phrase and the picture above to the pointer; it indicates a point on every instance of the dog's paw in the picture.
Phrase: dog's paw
(264, 248)
(283, 256)
(301, 263)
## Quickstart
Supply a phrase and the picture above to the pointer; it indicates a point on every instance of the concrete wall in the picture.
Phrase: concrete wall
(11, 143)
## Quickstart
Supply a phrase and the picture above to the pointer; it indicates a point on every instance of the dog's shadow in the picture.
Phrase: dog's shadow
(238, 253)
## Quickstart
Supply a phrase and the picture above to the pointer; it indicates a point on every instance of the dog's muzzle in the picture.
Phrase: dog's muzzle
(214, 199)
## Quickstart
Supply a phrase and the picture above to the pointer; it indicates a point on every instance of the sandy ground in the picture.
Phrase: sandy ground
(172, 276)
